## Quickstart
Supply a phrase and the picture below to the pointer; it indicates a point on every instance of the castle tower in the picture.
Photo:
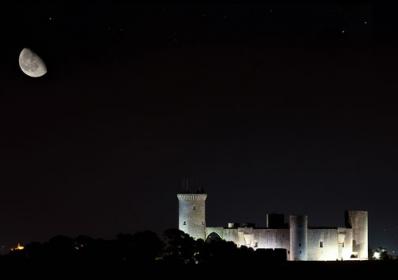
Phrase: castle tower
(298, 237)
(192, 214)
(358, 221)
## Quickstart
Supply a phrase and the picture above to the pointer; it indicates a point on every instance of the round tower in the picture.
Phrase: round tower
(298, 237)
(358, 221)
(192, 214)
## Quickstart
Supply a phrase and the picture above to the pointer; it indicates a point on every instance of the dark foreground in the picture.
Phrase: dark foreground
(265, 270)
(177, 255)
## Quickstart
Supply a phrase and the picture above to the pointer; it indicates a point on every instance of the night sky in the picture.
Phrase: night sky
(273, 107)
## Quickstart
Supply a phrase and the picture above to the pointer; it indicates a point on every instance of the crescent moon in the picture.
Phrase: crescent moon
(31, 64)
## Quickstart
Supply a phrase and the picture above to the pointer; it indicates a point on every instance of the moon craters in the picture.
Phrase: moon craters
(31, 64)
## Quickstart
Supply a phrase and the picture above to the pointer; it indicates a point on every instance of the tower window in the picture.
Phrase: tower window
(184, 223)
(321, 244)
(193, 208)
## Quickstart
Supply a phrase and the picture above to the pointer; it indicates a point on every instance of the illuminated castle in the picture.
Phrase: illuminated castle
(301, 241)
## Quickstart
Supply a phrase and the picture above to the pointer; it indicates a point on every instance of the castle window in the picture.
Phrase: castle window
(184, 223)
(342, 245)
(194, 208)
(321, 244)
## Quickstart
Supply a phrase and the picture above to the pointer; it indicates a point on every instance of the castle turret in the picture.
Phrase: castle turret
(298, 238)
(358, 221)
(192, 214)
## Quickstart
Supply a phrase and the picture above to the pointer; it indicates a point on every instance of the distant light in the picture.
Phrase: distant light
(18, 248)
(376, 255)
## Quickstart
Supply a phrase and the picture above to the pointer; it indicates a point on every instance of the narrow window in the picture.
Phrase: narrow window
(299, 244)
(343, 245)
(321, 244)
(184, 223)
(194, 208)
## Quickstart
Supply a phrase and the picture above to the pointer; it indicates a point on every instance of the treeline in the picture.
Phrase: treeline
(174, 247)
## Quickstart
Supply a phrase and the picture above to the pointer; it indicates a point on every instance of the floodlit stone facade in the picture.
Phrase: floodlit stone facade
(301, 241)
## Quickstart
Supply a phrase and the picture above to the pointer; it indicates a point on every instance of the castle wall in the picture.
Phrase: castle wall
(231, 234)
(345, 243)
(272, 238)
(253, 237)
(241, 236)
(336, 242)
(323, 244)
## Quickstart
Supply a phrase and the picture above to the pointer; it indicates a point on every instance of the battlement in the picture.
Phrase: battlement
(192, 196)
